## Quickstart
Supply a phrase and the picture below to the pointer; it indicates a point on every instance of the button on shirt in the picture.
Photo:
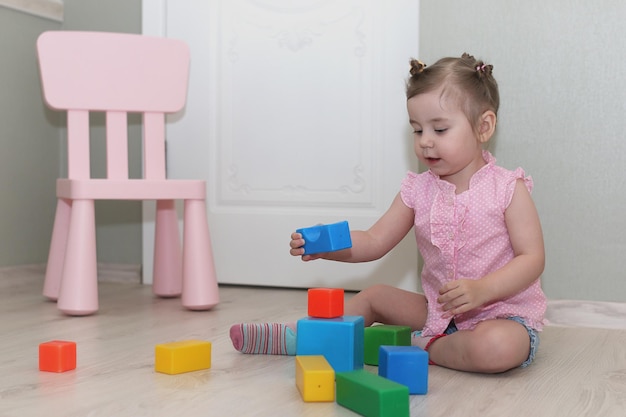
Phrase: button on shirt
(465, 236)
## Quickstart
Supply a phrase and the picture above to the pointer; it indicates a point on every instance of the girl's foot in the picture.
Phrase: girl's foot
(424, 342)
(418, 340)
(264, 338)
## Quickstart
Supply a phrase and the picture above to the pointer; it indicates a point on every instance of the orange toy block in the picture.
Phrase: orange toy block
(57, 356)
(326, 303)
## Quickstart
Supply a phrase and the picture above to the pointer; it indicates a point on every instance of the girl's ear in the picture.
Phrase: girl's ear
(487, 126)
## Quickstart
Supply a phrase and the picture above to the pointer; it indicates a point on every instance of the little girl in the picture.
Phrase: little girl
(476, 227)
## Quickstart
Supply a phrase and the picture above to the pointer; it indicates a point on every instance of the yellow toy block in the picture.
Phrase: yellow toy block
(315, 378)
(184, 356)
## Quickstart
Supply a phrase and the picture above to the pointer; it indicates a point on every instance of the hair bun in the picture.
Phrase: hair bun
(483, 69)
(417, 67)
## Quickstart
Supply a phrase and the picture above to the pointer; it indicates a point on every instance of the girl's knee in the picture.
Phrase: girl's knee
(370, 294)
(375, 290)
(498, 349)
(363, 303)
(372, 303)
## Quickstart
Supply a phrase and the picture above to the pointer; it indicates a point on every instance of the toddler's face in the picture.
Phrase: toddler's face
(444, 139)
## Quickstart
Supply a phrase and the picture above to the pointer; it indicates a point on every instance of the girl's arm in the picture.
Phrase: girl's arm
(526, 237)
(371, 244)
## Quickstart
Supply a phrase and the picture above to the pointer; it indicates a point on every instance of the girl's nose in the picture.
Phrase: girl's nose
(425, 140)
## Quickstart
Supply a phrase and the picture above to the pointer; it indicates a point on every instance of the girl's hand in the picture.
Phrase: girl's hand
(461, 296)
(297, 249)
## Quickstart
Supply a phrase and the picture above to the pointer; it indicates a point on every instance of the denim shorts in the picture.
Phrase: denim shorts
(532, 333)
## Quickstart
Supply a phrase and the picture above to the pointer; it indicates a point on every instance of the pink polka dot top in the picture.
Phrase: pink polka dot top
(464, 236)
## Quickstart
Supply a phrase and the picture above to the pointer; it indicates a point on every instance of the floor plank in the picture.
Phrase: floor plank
(577, 372)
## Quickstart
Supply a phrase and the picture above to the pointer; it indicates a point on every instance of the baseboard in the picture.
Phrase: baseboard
(122, 273)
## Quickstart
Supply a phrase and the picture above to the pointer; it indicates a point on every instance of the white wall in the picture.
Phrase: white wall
(561, 69)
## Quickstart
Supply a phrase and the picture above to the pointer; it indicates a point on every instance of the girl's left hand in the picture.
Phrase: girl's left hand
(461, 296)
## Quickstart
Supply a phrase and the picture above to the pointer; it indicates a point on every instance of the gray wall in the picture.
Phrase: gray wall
(33, 145)
(560, 66)
(29, 144)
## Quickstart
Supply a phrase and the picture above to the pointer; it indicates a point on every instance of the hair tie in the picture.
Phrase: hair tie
(481, 68)
(417, 67)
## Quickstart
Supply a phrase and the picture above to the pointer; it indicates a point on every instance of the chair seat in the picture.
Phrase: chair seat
(131, 189)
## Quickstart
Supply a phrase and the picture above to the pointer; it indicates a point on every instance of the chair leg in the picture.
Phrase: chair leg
(58, 244)
(78, 295)
(167, 278)
(200, 291)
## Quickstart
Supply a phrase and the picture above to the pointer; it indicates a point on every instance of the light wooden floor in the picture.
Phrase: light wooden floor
(577, 372)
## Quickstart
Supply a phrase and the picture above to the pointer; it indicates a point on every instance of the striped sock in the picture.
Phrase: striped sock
(264, 338)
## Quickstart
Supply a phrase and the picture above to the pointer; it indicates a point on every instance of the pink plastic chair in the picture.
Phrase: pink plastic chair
(117, 74)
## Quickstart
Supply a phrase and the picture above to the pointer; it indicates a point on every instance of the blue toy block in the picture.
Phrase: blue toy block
(406, 365)
(326, 238)
(340, 340)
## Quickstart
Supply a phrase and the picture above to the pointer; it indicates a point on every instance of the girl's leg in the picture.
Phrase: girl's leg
(493, 346)
(380, 303)
(264, 338)
(389, 305)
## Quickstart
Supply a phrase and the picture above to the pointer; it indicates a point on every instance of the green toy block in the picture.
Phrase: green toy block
(384, 335)
(371, 395)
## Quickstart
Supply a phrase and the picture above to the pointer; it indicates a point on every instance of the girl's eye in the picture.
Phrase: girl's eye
(441, 130)
(417, 132)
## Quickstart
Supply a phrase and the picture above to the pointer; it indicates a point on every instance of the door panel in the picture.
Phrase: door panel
(296, 116)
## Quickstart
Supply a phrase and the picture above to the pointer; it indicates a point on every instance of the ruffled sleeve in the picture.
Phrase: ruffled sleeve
(408, 189)
(510, 186)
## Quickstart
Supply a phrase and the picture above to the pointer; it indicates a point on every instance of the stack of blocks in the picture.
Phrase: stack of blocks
(331, 346)
(327, 332)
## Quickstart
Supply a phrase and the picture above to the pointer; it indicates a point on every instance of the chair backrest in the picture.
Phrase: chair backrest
(113, 73)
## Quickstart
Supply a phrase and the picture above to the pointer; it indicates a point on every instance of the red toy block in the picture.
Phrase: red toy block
(57, 356)
(326, 303)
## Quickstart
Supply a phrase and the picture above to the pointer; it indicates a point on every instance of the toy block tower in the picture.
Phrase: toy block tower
(329, 333)
(377, 336)
(326, 237)
(339, 340)
(406, 365)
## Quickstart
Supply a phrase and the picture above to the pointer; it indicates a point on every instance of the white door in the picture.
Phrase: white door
(295, 116)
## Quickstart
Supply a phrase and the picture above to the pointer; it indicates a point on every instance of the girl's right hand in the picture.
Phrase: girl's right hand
(297, 248)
